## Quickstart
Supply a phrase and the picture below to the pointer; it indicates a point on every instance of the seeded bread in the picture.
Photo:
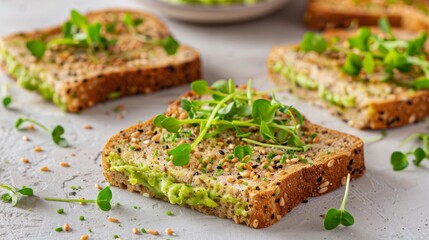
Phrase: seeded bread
(76, 80)
(329, 14)
(378, 105)
(262, 195)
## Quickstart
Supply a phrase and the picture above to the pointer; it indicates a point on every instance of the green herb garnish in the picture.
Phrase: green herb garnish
(56, 133)
(234, 109)
(335, 217)
(82, 218)
(6, 98)
(143, 230)
(103, 199)
(169, 213)
(60, 211)
(59, 229)
(313, 42)
(15, 194)
(399, 160)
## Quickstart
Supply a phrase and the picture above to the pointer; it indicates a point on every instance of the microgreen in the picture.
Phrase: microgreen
(60, 211)
(383, 134)
(15, 194)
(399, 160)
(241, 151)
(335, 217)
(6, 98)
(384, 25)
(234, 109)
(56, 133)
(37, 48)
(313, 42)
(103, 199)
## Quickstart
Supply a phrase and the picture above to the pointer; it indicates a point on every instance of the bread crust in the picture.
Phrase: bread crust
(269, 205)
(81, 94)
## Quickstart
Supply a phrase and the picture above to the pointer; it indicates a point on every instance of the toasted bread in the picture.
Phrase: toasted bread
(75, 79)
(257, 196)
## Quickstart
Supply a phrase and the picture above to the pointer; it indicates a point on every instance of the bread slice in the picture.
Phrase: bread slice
(257, 196)
(363, 105)
(329, 14)
(76, 80)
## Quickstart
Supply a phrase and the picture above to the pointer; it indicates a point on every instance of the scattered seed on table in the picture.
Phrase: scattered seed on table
(66, 227)
(25, 160)
(88, 127)
(44, 169)
(64, 164)
(135, 231)
(112, 219)
(25, 138)
(98, 186)
(84, 237)
(38, 149)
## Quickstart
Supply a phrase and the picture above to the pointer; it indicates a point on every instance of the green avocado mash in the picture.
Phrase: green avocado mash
(163, 185)
(29, 80)
(304, 81)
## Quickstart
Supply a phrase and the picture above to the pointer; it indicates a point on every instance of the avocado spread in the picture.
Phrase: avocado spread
(29, 80)
(306, 82)
(163, 185)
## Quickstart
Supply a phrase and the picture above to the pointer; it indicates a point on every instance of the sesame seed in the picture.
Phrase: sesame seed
(84, 237)
(156, 137)
(282, 202)
(322, 190)
(343, 181)
(268, 174)
(255, 223)
(66, 227)
(169, 231)
(277, 158)
(135, 134)
(112, 219)
(316, 139)
(25, 138)
(97, 186)
(331, 163)
(135, 231)
(230, 179)
(152, 232)
(88, 127)
(38, 149)
(329, 141)
(278, 216)
(294, 160)
(325, 184)
(44, 169)
(25, 160)
(64, 164)
(136, 146)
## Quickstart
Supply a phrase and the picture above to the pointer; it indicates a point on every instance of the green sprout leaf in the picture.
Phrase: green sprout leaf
(420, 155)
(416, 46)
(37, 48)
(170, 45)
(77, 19)
(384, 25)
(103, 199)
(171, 124)
(360, 40)
(399, 161)
(241, 151)
(368, 63)
(313, 42)
(158, 120)
(14, 194)
(56, 133)
(7, 99)
(422, 83)
(181, 154)
(352, 65)
(335, 217)
(221, 86)
(200, 87)
(262, 110)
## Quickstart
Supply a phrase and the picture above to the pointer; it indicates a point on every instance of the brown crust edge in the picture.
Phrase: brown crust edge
(294, 188)
(387, 114)
(321, 17)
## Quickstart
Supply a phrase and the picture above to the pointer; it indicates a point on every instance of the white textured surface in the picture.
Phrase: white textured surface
(386, 205)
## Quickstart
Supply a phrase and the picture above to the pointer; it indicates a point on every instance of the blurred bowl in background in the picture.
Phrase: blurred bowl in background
(216, 14)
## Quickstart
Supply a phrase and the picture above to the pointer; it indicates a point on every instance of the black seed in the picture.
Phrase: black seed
(221, 152)
(319, 179)
(351, 162)
(255, 166)
(272, 216)
(305, 201)
(258, 188)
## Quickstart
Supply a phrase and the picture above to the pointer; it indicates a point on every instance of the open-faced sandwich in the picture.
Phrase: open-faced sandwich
(102, 55)
(232, 152)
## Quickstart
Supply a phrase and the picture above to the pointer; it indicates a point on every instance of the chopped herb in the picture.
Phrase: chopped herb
(169, 213)
(399, 160)
(103, 199)
(313, 42)
(82, 218)
(115, 236)
(334, 217)
(59, 229)
(60, 211)
(56, 133)
(6, 98)
(143, 230)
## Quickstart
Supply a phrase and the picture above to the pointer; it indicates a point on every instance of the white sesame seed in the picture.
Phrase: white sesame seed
(324, 184)
(135, 134)
(331, 163)
(255, 223)
(344, 180)
(25, 138)
(322, 190)
(282, 202)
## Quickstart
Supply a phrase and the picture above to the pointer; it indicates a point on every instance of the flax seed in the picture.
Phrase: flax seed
(239, 181)
(44, 169)
(156, 137)
(64, 164)
(331, 163)
(316, 139)
(282, 202)
(112, 219)
(322, 190)
(136, 146)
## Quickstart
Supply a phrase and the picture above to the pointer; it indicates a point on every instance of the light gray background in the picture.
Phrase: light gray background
(386, 204)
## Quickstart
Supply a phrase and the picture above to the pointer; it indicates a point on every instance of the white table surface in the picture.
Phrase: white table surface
(385, 204)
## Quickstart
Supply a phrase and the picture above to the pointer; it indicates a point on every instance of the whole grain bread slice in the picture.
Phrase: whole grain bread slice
(75, 79)
(378, 105)
(258, 196)
(329, 14)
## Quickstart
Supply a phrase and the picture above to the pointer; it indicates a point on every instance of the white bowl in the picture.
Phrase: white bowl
(216, 14)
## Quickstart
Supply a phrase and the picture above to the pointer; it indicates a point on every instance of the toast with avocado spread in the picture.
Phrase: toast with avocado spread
(328, 14)
(98, 56)
(370, 78)
(232, 152)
